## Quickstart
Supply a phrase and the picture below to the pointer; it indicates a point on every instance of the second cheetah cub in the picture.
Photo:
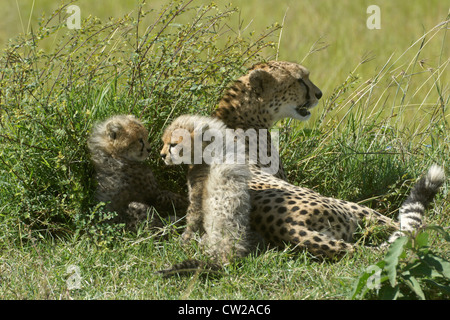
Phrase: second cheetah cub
(218, 192)
(125, 183)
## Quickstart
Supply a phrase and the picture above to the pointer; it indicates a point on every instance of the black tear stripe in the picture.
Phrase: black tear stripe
(307, 88)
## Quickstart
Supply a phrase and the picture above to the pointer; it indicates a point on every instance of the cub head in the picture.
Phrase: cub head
(186, 138)
(121, 137)
(286, 88)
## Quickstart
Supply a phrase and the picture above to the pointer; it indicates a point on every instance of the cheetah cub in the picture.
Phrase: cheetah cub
(218, 191)
(118, 149)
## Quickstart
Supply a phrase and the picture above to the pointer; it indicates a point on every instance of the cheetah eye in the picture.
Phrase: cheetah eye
(113, 135)
(141, 141)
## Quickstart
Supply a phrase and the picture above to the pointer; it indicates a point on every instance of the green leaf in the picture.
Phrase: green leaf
(392, 256)
(360, 288)
(422, 240)
(362, 285)
(439, 264)
(414, 285)
(440, 230)
(389, 293)
(422, 269)
(445, 289)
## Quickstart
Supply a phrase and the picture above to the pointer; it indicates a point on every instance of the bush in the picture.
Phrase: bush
(410, 270)
(50, 99)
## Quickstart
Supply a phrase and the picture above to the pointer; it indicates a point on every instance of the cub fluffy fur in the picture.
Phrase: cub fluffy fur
(118, 147)
(218, 192)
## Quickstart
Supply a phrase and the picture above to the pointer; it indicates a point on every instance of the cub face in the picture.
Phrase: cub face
(184, 140)
(177, 146)
(122, 137)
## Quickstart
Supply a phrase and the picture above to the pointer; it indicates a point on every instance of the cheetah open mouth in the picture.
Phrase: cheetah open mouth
(303, 112)
(303, 109)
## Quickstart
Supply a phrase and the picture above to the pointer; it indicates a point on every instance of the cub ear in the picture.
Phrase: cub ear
(199, 129)
(113, 129)
(204, 128)
(261, 80)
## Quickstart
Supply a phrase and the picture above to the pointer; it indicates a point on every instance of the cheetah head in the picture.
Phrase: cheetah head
(285, 88)
(122, 137)
(184, 139)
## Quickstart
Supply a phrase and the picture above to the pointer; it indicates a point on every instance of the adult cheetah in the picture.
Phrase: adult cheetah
(284, 213)
(119, 145)
(269, 92)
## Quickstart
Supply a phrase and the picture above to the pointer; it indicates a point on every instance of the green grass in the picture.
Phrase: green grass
(379, 126)
(339, 26)
(126, 270)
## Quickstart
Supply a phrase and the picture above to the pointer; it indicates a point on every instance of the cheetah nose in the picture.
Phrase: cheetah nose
(319, 95)
(163, 155)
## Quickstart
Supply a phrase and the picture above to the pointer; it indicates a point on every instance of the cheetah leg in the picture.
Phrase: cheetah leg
(194, 221)
(317, 243)
(169, 200)
(228, 238)
(137, 212)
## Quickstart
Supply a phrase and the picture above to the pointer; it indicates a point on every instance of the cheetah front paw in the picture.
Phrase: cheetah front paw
(186, 237)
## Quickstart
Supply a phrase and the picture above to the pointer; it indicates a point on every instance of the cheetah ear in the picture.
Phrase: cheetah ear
(113, 129)
(205, 127)
(202, 128)
(261, 80)
(199, 129)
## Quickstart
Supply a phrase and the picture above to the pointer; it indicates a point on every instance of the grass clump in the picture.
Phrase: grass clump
(410, 270)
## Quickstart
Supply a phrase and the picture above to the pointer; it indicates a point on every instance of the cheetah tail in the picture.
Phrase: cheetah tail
(413, 209)
(190, 266)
